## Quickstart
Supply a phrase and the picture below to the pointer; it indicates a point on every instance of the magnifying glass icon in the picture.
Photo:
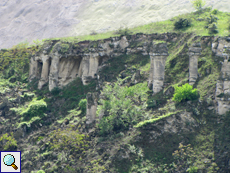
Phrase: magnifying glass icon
(9, 160)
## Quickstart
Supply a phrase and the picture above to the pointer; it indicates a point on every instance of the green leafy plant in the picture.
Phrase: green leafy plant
(185, 92)
(182, 23)
(7, 142)
(35, 108)
(198, 4)
(82, 105)
(118, 105)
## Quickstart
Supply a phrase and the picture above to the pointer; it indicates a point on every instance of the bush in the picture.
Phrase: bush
(215, 11)
(185, 92)
(182, 23)
(55, 91)
(198, 4)
(212, 29)
(211, 19)
(82, 105)
(124, 32)
(35, 108)
(68, 140)
(8, 143)
(119, 106)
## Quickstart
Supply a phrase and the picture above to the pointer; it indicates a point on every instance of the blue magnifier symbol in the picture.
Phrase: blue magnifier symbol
(9, 160)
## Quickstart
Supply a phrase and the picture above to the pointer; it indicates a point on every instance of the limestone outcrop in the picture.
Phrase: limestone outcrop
(58, 63)
(158, 56)
(221, 48)
(194, 53)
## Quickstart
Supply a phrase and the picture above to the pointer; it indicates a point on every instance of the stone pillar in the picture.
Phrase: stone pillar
(84, 69)
(222, 95)
(194, 53)
(33, 68)
(45, 71)
(91, 107)
(93, 64)
(53, 76)
(158, 56)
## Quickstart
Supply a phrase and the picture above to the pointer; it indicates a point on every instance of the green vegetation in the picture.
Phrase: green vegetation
(182, 23)
(69, 140)
(198, 4)
(185, 92)
(123, 104)
(153, 120)
(120, 110)
(36, 108)
(40, 171)
(7, 142)
(82, 105)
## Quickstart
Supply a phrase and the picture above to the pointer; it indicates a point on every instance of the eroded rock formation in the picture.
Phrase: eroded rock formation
(91, 107)
(194, 53)
(59, 63)
(158, 56)
(221, 47)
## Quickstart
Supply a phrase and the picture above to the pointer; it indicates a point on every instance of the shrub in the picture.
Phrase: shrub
(211, 19)
(82, 105)
(120, 110)
(34, 109)
(124, 32)
(215, 11)
(7, 142)
(212, 29)
(68, 140)
(198, 4)
(182, 23)
(55, 91)
(185, 92)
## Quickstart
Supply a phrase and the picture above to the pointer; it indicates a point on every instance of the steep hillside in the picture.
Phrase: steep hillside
(28, 20)
(117, 104)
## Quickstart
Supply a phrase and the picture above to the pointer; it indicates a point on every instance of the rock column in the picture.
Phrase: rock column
(158, 56)
(45, 71)
(91, 107)
(194, 53)
(53, 77)
(33, 68)
(221, 48)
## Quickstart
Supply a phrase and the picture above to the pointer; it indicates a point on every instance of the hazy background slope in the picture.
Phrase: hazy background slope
(22, 20)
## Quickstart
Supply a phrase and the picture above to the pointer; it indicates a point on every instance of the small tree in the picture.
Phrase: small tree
(198, 4)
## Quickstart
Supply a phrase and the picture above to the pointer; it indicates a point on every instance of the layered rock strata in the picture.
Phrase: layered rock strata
(194, 53)
(158, 56)
(221, 48)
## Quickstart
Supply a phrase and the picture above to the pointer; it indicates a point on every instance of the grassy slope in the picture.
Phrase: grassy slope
(63, 105)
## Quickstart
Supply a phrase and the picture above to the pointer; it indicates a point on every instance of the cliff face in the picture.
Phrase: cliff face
(60, 63)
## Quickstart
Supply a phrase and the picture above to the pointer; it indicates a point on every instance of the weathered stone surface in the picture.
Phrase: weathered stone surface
(91, 107)
(157, 67)
(219, 47)
(194, 53)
